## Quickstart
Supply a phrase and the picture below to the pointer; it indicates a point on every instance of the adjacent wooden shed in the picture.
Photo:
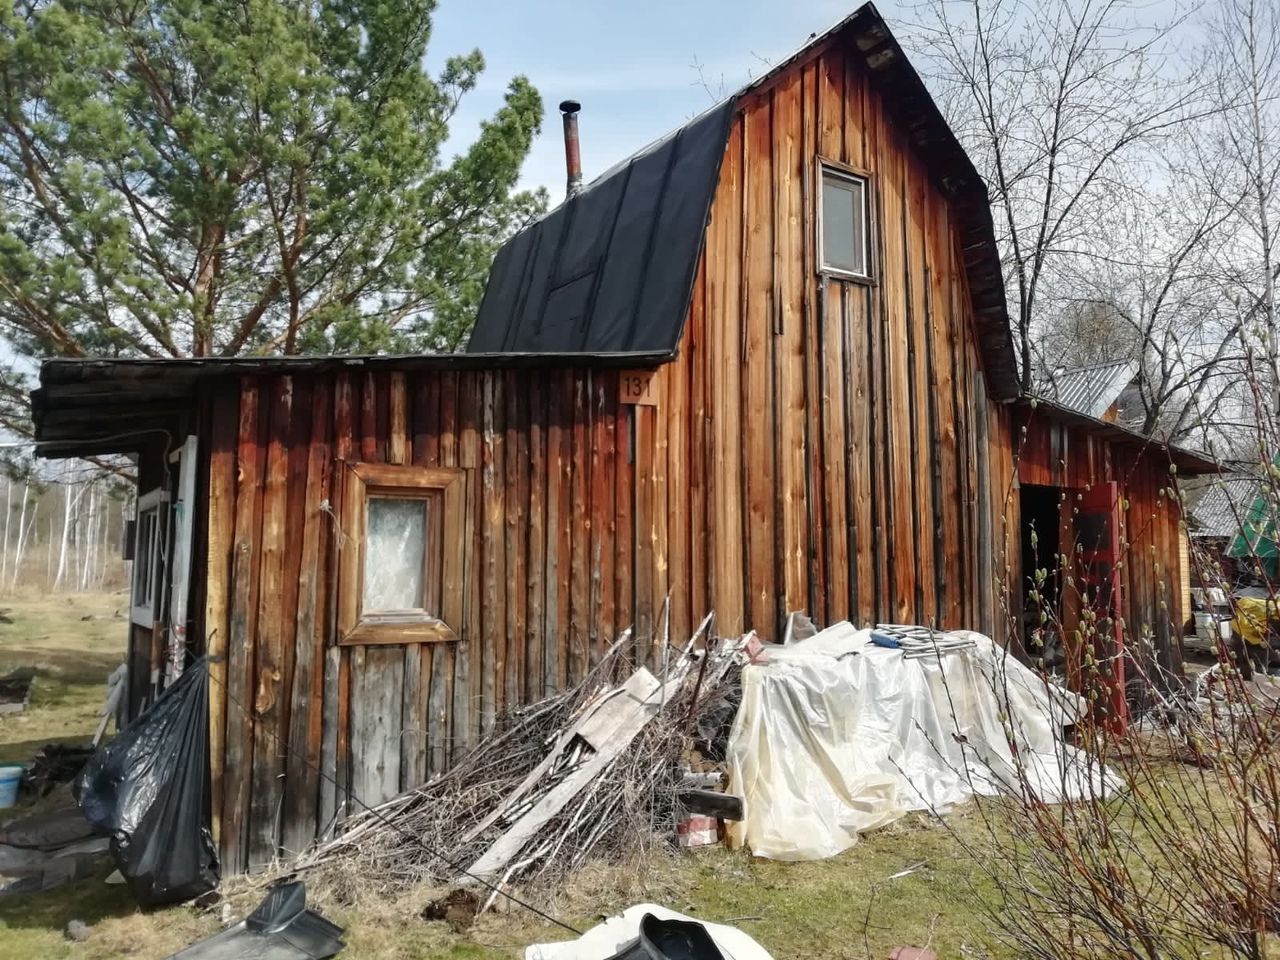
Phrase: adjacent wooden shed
(762, 366)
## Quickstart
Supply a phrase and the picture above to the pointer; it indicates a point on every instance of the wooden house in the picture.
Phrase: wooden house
(764, 365)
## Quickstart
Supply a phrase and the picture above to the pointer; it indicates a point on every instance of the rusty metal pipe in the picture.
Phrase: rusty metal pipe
(572, 152)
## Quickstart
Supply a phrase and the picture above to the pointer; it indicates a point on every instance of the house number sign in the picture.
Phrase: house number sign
(638, 387)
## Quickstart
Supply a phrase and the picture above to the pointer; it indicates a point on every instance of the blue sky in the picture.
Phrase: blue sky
(629, 63)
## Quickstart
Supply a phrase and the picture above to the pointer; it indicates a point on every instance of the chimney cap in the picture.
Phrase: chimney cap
(570, 106)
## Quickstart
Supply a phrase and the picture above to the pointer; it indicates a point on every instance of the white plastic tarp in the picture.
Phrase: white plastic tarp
(836, 735)
(602, 942)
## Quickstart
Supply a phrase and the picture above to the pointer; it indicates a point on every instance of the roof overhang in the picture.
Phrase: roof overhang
(1187, 462)
(98, 407)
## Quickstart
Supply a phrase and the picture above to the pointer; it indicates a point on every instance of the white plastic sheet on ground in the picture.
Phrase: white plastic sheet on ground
(602, 942)
(836, 735)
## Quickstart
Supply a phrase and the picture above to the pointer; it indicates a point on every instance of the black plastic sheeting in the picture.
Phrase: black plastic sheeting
(149, 788)
(612, 269)
(670, 940)
(281, 928)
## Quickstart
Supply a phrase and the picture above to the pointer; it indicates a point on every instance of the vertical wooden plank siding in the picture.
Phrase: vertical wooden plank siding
(819, 443)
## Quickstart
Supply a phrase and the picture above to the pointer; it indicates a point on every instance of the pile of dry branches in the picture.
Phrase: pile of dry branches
(433, 833)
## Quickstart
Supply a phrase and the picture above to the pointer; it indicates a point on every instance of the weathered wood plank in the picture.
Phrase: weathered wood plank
(913, 398)
(302, 775)
(699, 516)
(757, 305)
(423, 412)
(581, 464)
(724, 294)
(559, 439)
(647, 602)
(299, 449)
(334, 757)
(268, 643)
(536, 588)
(224, 423)
(624, 529)
(467, 672)
(676, 502)
(376, 708)
(604, 392)
(810, 345)
(660, 558)
(251, 461)
(517, 500)
(444, 656)
(493, 616)
(789, 279)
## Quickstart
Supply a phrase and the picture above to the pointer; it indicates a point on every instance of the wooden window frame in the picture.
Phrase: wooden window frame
(848, 172)
(443, 487)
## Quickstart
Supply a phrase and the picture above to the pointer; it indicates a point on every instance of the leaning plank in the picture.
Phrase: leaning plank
(631, 716)
(642, 685)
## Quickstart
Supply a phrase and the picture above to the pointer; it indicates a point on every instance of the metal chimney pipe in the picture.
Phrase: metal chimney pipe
(572, 153)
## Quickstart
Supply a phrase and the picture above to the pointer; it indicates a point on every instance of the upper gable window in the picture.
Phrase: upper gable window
(844, 223)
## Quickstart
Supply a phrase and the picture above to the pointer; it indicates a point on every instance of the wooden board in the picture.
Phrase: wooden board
(221, 529)
(238, 766)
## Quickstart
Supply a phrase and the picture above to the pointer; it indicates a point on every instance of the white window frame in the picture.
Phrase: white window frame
(840, 171)
(184, 509)
(143, 612)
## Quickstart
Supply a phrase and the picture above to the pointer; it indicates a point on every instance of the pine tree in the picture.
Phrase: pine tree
(219, 177)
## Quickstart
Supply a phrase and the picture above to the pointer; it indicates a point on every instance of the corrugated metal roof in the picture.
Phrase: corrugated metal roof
(1220, 507)
(1188, 462)
(1091, 389)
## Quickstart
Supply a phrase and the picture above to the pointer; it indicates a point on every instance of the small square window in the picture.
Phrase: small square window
(843, 219)
(401, 554)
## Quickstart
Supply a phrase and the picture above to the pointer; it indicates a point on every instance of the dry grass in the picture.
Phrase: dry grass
(72, 642)
(845, 907)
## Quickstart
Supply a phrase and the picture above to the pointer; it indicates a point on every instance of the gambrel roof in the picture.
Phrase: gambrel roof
(612, 269)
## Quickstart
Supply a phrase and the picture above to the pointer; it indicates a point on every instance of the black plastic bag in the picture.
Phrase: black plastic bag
(149, 788)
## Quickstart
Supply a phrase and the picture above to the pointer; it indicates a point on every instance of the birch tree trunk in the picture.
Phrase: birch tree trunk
(22, 519)
(8, 517)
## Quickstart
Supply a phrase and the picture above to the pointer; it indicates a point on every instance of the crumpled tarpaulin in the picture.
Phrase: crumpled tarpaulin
(649, 932)
(836, 736)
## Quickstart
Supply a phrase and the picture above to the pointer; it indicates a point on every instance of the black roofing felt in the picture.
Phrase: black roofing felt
(612, 269)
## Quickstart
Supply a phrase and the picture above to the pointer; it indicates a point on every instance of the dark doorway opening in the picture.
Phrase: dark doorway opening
(1041, 573)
